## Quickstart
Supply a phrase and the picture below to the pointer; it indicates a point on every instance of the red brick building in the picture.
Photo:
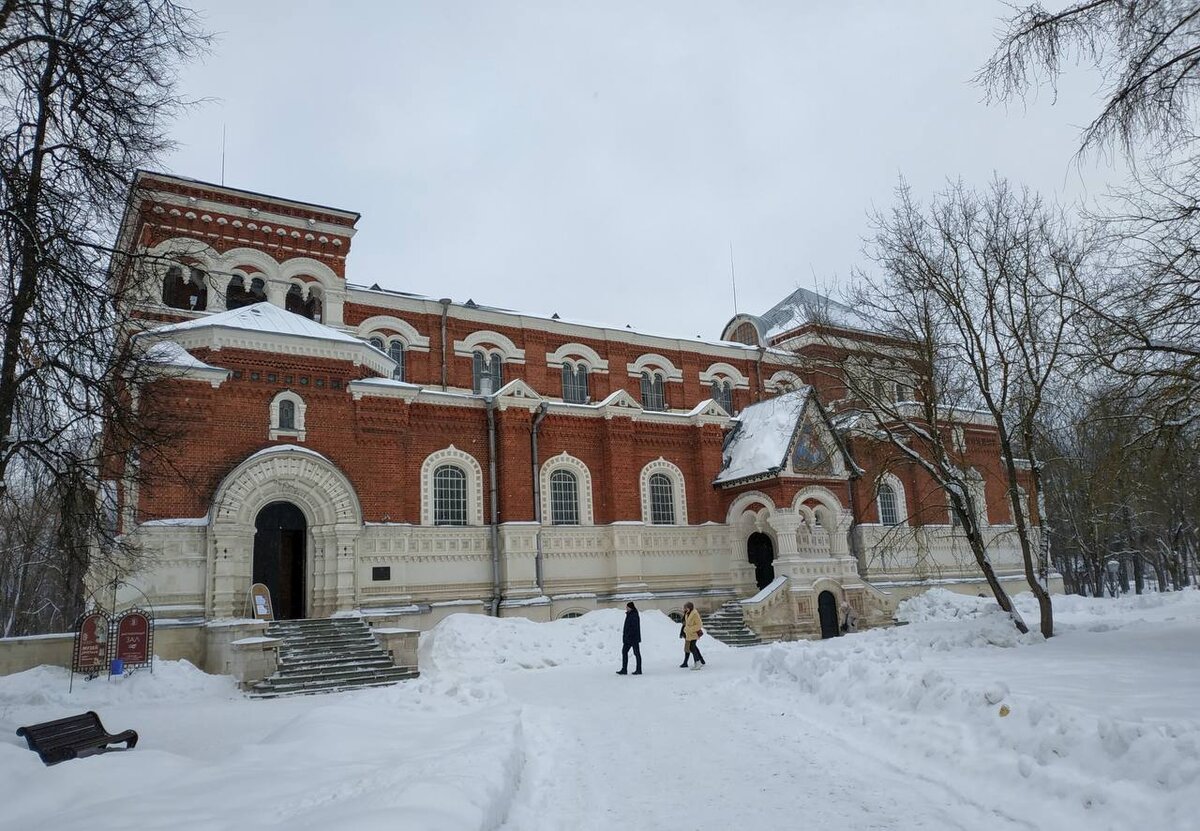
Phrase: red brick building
(359, 449)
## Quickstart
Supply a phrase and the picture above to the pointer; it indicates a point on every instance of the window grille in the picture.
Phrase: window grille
(484, 365)
(564, 498)
(287, 415)
(722, 393)
(662, 500)
(575, 383)
(377, 342)
(889, 513)
(653, 394)
(449, 496)
(396, 353)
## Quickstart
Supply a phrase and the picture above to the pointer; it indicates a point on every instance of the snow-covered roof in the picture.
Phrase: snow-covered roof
(173, 361)
(170, 354)
(261, 317)
(759, 443)
(265, 327)
(803, 307)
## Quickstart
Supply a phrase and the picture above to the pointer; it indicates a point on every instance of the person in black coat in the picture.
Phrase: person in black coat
(631, 638)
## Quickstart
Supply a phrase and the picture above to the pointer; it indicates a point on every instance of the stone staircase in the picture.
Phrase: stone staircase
(728, 625)
(327, 655)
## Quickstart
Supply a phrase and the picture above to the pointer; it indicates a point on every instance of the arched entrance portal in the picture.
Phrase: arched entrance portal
(280, 534)
(827, 610)
(760, 551)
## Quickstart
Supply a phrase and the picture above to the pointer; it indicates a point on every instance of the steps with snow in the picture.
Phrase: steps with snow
(728, 625)
(327, 655)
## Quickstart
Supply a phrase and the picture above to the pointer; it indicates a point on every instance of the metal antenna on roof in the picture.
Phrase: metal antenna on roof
(733, 279)
(222, 155)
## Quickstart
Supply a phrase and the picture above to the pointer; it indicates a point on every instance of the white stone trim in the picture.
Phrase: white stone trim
(787, 378)
(469, 465)
(571, 330)
(404, 331)
(295, 267)
(826, 498)
(575, 351)
(679, 491)
(286, 474)
(488, 341)
(725, 372)
(652, 361)
(897, 487)
(300, 430)
(257, 215)
(583, 476)
(744, 501)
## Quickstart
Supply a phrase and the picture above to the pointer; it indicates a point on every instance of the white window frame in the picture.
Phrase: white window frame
(490, 358)
(583, 477)
(300, 431)
(679, 491)
(898, 494)
(470, 465)
(572, 367)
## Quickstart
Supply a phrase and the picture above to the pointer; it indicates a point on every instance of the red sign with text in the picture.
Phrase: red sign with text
(91, 645)
(133, 638)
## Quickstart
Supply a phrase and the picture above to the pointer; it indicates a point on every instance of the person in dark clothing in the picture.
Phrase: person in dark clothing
(631, 638)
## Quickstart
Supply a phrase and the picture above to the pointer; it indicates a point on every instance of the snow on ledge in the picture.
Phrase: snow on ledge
(766, 591)
(199, 521)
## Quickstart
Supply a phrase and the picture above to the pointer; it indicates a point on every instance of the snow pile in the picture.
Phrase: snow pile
(171, 681)
(942, 604)
(1115, 772)
(468, 646)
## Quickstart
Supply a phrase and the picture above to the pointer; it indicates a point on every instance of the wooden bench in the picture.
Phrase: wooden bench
(73, 738)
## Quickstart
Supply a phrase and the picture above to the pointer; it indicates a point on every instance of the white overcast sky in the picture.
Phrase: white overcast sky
(597, 159)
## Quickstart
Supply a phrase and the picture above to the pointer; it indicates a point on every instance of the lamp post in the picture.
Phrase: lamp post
(1112, 566)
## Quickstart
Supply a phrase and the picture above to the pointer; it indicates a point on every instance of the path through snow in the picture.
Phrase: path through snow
(706, 750)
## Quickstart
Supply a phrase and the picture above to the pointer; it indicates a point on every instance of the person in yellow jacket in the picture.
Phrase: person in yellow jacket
(691, 632)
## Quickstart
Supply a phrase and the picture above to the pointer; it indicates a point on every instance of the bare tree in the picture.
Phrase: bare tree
(1144, 319)
(1147, 52)
(974, 285)
(86, 91)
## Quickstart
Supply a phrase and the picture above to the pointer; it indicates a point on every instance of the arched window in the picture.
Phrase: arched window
(662, 500)
(575, 382)
(377, 342)
(185, 291)
(449, 496)
(653, 391)
(564, 498)
(237, 295)
(297, 303)
(287, 414)
(889, 513)
(396, 353)
(745, 333)
(483, 366)
(722, 393)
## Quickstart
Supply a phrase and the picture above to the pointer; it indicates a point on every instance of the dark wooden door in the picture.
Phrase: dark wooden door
(280, 535)
(827, 611)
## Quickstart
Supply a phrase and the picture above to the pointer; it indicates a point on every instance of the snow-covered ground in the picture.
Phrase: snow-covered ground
(523, 726)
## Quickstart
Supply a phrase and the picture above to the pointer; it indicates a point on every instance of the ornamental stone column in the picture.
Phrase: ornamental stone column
(786, 525)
